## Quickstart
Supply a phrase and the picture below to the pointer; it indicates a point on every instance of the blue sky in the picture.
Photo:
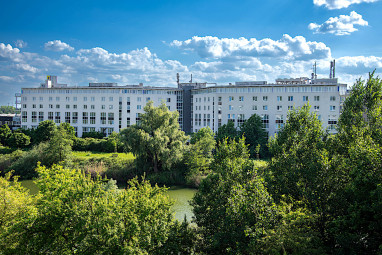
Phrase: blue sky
(129, 42)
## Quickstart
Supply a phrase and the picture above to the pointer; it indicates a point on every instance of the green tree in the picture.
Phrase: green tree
(156, 140)
(227, 131)
(252, 130)
(232, 207)
(199, 155)
(16, 207)
(60, 146)
(5, 133)
(7, 109)
(44, 131)
(79, 215)
(19, 140)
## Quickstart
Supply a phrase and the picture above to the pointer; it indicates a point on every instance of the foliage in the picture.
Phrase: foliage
(15, 206)
(7, 109)
(156, 140)
(232, 207)
(59, 146)
(76, 214)
(19, 140)
(98, 145)
(44, 131)
(255, 135)
(5, 133)
(227, 131)
(6, 160)
(94, 134)
(199, 156)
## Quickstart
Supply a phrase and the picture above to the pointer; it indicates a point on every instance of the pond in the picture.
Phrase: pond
(180, 195)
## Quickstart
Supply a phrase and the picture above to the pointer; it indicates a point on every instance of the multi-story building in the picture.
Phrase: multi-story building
(107, 107)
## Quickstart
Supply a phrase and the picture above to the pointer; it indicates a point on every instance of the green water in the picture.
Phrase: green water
(180, 195)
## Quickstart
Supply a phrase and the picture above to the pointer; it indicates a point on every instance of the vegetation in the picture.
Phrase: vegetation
(317, 194)
(156, 140)
(7, 109)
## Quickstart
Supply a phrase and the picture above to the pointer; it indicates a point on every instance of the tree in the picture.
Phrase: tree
(227, 131)
(156, 140)
(5, 133)
(252, 130)
(60, 146)
(44, 131)
(79, 215)
(199, 155)
(19, 140)
(7, 109)
(232, 207)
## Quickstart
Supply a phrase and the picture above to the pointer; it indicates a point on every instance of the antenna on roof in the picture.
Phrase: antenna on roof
(191, 79)
(314, 69)
(332, 69)
(177, 78)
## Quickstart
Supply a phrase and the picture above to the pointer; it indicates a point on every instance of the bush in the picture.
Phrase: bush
(6, 160)
(99, 145)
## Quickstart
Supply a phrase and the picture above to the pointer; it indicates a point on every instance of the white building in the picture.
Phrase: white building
(107, 107)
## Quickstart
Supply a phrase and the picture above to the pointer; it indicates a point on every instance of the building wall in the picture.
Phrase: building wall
(113, 108)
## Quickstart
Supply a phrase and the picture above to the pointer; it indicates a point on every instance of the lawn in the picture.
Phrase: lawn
(89, 154)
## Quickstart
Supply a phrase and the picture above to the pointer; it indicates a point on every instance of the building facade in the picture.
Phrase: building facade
(107, 107)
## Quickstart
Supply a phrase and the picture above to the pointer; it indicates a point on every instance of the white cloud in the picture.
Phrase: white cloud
(7, 52)
(369, 63)
(339, 4)
(20, 44)
(57, 45)
(342, 25)
(287, 47)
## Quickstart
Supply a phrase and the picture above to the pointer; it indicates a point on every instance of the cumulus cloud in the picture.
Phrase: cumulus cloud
(7, 52)
(20, 44)
(339, 4)
(287, 47)
(342, 25)
(57, 45)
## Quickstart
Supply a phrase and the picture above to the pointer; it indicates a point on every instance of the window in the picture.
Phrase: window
(316, 107)
(92, 118)
(265, 98)
(57, 98)
(67, 99)
(147, 99)
(50, 115)
(50, 99)
(51, 106)
(92, 107)
(290, 107)
(85, 99)
(290, 98)
(33, 106)
(67, 106)
(169, 100)
(279, 108)
(103, 118)
(265, 120)
(111, 99)
(103, 99)
(231, 98)
(85, 118)
(265, 107)
(316, 98)
(24, 116)
(254, 98)
(332, 107)
(57, 117)
(110, 106)
(75, 118)
(110, 118)
(241, 98)
(75, 99)
(85, 106)
(305, 98)
(240, 119)
(40, 116)
(103, 107)
(139, 107)
(41, 98)
(67, 117)
(57, 106)
(279, 98)
(41, 106)
(34, 98)
(230, 107)
(92, 99)
(219, 99)
(254, 107)
(332, 98)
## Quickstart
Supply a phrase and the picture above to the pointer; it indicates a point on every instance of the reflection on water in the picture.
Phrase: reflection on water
(180, 195)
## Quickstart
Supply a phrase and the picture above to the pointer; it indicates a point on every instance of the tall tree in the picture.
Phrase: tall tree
(232, 207)
(156, 140)
(60, 146)
(254, 133)
(44, 131)
(227, 131)
(5, 133)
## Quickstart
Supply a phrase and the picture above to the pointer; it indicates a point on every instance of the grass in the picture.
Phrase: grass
(89, 154)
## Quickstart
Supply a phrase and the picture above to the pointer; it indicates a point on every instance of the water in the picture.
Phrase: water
(180, 195)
